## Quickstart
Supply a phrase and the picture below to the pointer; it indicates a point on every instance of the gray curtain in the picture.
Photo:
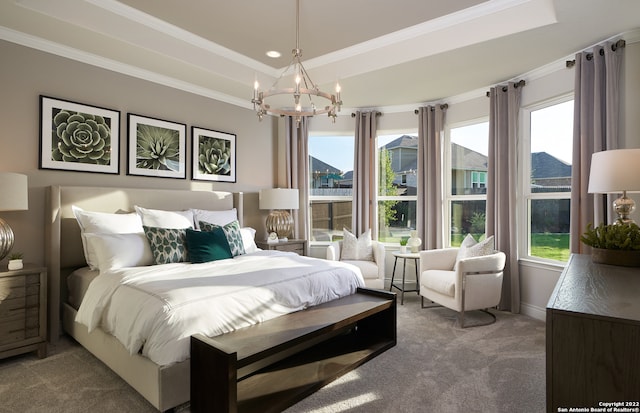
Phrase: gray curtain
(364, 174)
(430, 197)
(297, 167)
(595, 129)
(502, 184)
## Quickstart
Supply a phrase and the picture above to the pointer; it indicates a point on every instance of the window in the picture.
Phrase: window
(467, 181)
(478, 179)
(547, 179)
(331, 185)
(397, 159)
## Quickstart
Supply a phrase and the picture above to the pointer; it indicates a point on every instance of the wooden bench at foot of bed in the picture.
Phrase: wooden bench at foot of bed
(271, 366)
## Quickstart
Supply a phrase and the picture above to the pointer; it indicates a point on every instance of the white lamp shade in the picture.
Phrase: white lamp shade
(615, 171)
(278, 198)
(13, 192)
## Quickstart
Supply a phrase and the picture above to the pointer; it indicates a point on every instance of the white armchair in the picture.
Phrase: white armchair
(372, 271)
(474, 284)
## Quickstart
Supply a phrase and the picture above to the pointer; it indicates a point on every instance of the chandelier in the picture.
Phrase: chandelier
(303, 89)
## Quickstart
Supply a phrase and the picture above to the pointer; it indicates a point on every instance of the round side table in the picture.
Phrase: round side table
(415, 256)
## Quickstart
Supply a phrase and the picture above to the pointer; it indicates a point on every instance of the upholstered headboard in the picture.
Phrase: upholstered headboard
(63, 247)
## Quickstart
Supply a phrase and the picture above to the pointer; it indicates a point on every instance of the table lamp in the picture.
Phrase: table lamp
(279, 201)
(13, 197)
(616, 171)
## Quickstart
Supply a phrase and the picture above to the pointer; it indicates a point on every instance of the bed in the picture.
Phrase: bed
(167, 383)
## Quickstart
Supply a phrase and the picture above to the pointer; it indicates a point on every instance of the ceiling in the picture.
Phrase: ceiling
(386, 54)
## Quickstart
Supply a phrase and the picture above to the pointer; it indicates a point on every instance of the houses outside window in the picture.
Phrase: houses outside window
(330, 186)
(397, 159)
(546, 181)
(466, 181)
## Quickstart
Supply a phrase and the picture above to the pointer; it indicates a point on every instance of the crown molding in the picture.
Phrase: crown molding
(115, 66)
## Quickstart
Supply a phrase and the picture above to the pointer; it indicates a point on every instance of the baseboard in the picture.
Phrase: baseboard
(533, 311)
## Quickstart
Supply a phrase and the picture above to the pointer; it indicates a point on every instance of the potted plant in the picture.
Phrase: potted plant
(616, 244)
(403, 244)
(15, 261)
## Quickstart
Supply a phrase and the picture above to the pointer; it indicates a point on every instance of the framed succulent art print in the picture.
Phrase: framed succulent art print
(78, 137)
(156, 147)
(214, 155)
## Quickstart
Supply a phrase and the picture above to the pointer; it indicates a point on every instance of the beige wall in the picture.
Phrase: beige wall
(27, 73)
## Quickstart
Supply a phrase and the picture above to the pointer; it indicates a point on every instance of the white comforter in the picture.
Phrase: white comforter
(157, 308)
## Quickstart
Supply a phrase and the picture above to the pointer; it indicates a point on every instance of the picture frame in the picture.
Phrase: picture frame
(156, 147)
(90, 142)
(214, 155)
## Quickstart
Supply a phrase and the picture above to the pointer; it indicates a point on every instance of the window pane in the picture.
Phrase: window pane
(551, 148)
(469, 149)
(330, 181)
(396, 219)
(331, 165)
(398, 164)
(328, 218)
(397, 179)
(549, 236)
(467, 217)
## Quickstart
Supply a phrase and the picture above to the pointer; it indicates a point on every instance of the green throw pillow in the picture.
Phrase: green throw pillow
(207, 246)
(168, 245)
(232, 231)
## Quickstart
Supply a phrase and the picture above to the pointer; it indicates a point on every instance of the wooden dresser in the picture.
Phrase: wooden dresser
(593, 336)
(23, 311)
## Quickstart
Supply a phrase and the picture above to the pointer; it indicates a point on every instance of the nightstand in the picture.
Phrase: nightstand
(23, 311)
(298, 246)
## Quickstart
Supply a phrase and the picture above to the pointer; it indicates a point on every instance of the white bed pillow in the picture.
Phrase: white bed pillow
(103, 223)
(120, 250)
(158, 218)
(357, 248)
(221, 218)
(249, 239)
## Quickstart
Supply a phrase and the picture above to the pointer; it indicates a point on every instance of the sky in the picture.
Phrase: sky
(335, 150)
(474, 137)
(551, 132)
(338, 150)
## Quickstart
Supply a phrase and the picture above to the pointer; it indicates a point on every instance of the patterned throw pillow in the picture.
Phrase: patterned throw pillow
(168, 245)
(471, 248)
(232, 231)
(357, 248)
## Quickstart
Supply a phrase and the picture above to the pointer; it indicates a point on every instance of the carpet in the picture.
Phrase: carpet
(435, 367)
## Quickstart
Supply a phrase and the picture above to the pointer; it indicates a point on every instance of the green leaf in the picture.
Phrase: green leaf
(619, 236)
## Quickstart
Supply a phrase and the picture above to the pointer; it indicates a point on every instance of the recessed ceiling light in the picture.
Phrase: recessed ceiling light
(274, 54)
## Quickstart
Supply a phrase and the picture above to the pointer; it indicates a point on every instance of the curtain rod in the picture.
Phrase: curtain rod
(353, 115)
(521, 83)
(443, 107)
(615, 46)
